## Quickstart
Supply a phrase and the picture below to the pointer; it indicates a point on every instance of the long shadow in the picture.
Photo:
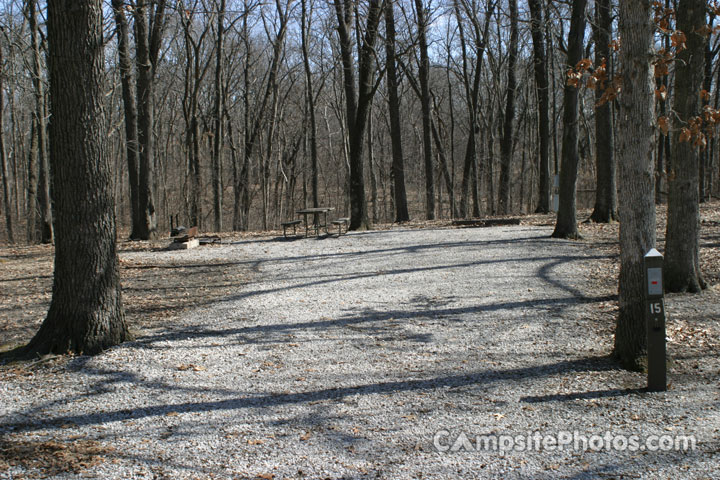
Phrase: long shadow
(567, 397)
(544, 273)
(416, 248)
(269, 400)
(264, 333)
(24, 279)
(401, 271)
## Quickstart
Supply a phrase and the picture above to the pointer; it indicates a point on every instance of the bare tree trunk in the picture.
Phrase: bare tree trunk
(218, 123)
(706, 170)
(253, 129)
(506, 142)
(636, 181)
(32, 185)
(44, 221)
(606, 188)
(682, 258)
(566, 225)
(147, 42)
(195, 71)
(424, 77)
(398, 167)
(371, 167)
(131, 116)
(86, 314)
(472, 92)
(357, 99)
(305, 25)
(663, 143)
(3, 161)
(542, 89)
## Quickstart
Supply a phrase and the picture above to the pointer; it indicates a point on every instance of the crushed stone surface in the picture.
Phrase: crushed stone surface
(401, 354)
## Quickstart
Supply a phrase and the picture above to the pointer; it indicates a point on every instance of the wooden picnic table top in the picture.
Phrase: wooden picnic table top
(304, 211)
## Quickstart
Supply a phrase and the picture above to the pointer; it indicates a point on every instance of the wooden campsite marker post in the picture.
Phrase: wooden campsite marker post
(655, 321)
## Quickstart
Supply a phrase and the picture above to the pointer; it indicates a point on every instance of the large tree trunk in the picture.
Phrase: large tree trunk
(424, 77)
(398, 167)
(131, 115)
(506, 142)
(3, 162)
(706, 170)
(543, 98)
(32, 185)
(682, 247)
(606, 189)
(357, 99)
(147, 44)
(218, 123)
(310, 102)
(472, 93)
(635, 141)
(146, 111)
(43, 222)
(86, 314)
(566, 225)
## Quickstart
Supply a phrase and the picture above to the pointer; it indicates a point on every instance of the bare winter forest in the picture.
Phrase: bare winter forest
(233, 114)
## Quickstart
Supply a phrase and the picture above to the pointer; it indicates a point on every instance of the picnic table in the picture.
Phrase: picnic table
(316, 224)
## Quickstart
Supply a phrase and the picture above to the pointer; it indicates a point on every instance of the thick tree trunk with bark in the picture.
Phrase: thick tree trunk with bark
(4, 170)
(218, 133)
(86, 314)
(398, 166)
(566, 225)
(635, 142)
(305, 24)
(506, 142)
(472, 93)
(43, 221)
(424, 77)
(357, 99)
(605, 209)
(682, 247)
(543, 98)
(147, 44)
(131, 115)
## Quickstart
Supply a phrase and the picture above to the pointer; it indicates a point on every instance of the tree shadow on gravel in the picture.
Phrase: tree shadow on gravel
(596, 394)
(272, 399)
(368, 319)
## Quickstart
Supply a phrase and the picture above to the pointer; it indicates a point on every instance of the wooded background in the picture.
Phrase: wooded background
(248, 99)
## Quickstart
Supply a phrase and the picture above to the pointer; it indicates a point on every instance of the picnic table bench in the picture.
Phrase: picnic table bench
(290, 223)
(340, 222)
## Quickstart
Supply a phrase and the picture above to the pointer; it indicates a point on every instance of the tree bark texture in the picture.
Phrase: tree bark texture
(218, 133)
(506, 143)
(566, 225)
(4, 170)
(424, 77)
(605, 209)
(635, 142)
(127, 82)
(310, 102)
(44, 219)
(357, 99)
(682, 246)
(86, 314)
(472, 92)
(147, 44)
(398, 167)
(543, 98)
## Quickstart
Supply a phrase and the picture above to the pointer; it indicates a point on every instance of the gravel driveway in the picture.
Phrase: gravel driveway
(402, 354)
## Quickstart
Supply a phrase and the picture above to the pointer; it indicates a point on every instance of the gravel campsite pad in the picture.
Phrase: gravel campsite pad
(400, 354)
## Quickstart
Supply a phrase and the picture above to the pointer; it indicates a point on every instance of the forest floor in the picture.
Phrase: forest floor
(175, 298)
